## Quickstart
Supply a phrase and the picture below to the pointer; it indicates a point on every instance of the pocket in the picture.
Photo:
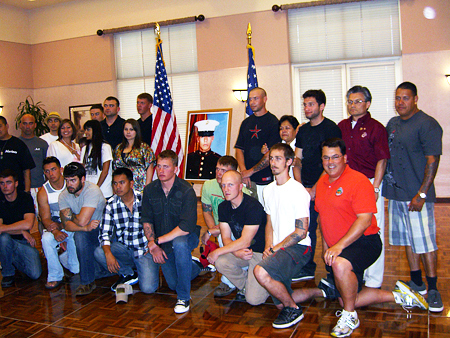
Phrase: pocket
(157, 206)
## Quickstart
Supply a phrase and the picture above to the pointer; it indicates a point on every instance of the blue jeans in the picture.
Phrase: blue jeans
(148, 271)
(86, 243)
(49, 245)
(19, 254)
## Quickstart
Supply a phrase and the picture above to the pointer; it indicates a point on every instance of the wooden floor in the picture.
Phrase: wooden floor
(29, 310)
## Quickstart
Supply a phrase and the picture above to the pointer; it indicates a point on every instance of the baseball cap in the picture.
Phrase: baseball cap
(122, 292)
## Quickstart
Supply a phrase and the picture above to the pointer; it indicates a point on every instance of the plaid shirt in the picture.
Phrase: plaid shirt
(124, 225)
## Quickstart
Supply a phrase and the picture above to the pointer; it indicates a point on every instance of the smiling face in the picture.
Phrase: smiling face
(334, 162)
(66, 131)
(88, 133)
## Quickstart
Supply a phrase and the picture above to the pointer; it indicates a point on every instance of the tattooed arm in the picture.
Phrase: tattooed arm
(300, 232)
(70, 223)
(158, 254)
(263, 163)
(209, 220)
(430, 173)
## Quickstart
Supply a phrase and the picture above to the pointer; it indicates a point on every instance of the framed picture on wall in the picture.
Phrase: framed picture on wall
(207, 139)
(79, 115)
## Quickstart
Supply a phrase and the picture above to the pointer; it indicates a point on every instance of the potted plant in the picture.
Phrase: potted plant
(37, 110)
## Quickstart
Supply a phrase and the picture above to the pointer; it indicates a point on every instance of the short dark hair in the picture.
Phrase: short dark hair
(318, 94)
(97, 106)
(74, 129)
(168, 153)
(74, 169)
(228, 161)
(9, 173)
(360, 89)
(264, 92)
(286, 148)
(408, 85)
(291, 119)
(146, 96)
(123, 171)
(51, 159)
(334, 143)
(2, 119)
(112, 98)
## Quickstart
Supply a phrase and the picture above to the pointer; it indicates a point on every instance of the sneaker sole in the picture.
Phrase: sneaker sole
(132, 281)
(436, 309)
(299, 279)
(348, 334)
(283, 326)
(184, 310)
(402, 286)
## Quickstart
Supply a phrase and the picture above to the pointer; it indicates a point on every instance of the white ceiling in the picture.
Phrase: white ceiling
(26, 4)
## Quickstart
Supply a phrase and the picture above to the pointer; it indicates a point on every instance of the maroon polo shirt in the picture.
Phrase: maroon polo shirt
(367, 143)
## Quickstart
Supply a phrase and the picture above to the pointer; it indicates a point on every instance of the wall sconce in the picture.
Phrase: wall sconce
(448, 78)
(1, 109)
(240, 94)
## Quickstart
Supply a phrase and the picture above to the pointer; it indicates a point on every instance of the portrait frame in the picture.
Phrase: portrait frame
(220, 144)
(79, 115)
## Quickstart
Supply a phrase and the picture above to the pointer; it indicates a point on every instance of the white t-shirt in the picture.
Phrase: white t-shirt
(63, 154)
(49, 138)
(93, 174)
(286, 203)
(292, 144)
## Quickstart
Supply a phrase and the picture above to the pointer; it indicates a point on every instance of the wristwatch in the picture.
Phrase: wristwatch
(209, 232)
(156, 241)
(422, 195)
(377, 190)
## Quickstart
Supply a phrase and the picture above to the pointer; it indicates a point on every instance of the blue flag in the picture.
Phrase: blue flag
(252, 80)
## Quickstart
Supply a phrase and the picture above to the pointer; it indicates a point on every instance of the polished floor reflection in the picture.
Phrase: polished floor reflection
(29, 310)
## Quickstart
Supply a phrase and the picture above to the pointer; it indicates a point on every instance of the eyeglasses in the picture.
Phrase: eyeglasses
(334, 157)
(358, 101)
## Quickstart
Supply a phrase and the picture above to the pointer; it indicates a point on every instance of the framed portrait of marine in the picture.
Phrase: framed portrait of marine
(207, 139)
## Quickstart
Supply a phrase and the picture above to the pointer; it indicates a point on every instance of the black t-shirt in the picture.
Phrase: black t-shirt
(254, 132)
(249, 212)
(310, 139)
(12, 212)
(113, 134)
(146, 129)
(16, 157)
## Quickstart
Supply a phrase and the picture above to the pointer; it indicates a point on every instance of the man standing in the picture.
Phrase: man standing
(367, 152)
(201, 164)
(212, 196)
(38, 149)
(54, 234)
(17, 246)
(242, 217)
(14, 155)
(144, 105)
(96, 112)
(53, 121)
(256, 130)
(308, 150)
(169, 216)
(81, 208)
(122, 239)
(287, 240)
(112, 125)
(415, 143)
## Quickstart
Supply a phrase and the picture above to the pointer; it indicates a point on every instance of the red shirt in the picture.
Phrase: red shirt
(367, 143)
(339, 202)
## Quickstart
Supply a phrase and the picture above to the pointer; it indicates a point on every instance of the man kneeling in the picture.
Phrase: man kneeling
(244, 217)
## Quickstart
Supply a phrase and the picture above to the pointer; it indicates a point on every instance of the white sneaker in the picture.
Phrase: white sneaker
(346, 324)
(182, 306)
(407, 297)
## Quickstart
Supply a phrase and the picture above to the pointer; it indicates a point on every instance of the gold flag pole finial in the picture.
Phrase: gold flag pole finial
(158, 32)
(249, 34)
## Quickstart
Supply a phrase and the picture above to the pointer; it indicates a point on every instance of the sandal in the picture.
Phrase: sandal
(52, 285)
(83, 290)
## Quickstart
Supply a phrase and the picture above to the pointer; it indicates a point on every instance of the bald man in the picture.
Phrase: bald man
(244, 217)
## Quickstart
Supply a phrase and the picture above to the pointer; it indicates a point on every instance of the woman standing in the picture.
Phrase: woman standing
(135, 155)
(97, 157)
(64, 148)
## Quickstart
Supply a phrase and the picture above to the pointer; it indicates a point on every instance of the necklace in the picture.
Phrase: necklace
(1, 153)
(73, 150)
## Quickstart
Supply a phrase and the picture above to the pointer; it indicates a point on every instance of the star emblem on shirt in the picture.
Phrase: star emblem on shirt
(255, 131)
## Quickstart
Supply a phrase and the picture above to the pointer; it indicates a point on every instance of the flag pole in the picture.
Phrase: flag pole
(249, 34)
(252, 80)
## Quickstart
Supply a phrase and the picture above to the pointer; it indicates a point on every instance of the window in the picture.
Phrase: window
(135, 67)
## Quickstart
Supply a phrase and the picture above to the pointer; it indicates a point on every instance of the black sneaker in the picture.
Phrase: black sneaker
(182, 306)
(302, 276)
(8, 281)
(241, 295)
(288, 317)
(130, 280)
(328, 288)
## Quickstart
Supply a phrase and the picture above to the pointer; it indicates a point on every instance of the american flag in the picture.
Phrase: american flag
(164, 131)
(252, 80)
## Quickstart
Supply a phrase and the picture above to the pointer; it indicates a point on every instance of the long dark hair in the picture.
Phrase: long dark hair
(137, 139)
(97, 141)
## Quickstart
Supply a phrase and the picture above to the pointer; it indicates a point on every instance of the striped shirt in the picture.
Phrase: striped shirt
(52, 196)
